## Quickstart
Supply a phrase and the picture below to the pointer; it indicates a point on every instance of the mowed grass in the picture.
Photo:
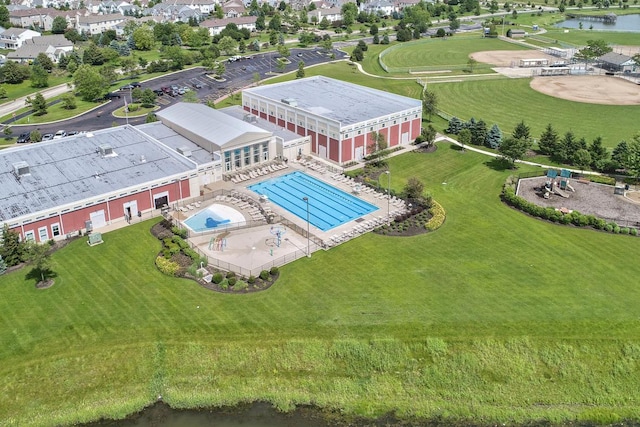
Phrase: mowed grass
(494, 317)
(507, 102)
(451, 51)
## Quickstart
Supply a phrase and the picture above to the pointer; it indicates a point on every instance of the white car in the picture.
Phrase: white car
(47, 137)
(60, 134)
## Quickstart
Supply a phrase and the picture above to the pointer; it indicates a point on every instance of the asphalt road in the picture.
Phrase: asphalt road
(238, 75)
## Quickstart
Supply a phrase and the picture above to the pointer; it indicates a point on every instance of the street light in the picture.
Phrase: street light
(306, 199)
(388, 172)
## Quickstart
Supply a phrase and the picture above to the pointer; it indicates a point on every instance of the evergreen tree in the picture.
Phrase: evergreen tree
(3, 266)
(300, 72)
(548, 143)
(620, 154)
(455, 126)
(494, 137)
(599, 154)
(38, 104)
(479, 133)
(12, 249)
(522, 131)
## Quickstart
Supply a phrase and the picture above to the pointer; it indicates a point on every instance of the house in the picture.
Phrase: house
(40, 18)
(215, 26)
(13, 38)
(233, 9)
(205, 7)
(378, 7)
(97, 24)
(332, 14)
(619, 63)
(53, 46)
(339, 117)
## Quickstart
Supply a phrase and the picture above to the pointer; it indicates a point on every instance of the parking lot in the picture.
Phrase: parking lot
(238, 74)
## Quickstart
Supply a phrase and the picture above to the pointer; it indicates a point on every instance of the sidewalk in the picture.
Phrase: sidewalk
(18, 103)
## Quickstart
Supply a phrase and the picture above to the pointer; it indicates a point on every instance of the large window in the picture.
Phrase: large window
(227, 161)
(256, 153)
(43, 234)
(237, 159)
(55, 230)
(29, 236)
(265, 151)
(247, 155)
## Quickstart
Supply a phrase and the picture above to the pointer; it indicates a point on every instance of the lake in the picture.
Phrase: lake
(623, 23)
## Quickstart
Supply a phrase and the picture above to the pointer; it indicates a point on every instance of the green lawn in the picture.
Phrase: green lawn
(22, 89)
(494, 317)
(54, 112)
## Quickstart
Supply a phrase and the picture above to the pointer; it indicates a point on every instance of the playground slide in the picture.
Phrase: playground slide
(570, 188)
(561, 193)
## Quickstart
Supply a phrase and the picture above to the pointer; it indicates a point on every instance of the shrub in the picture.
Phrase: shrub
(274, 271)
(251, 280)
(166, 266)
(191, 254)
(264, 275)
(438, 217)
(217, 278)
(616, 229)
(633, 231)
(232, 280)
(180, 241)
(624, 230)
(602, 179)
(608, 228)
(182, 232)
(240, 285)
(230, 274)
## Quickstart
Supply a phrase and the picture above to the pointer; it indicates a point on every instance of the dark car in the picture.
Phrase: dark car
(24, 138)
(166, 89)
(158, 92)
(112, 95)
(197, 85)
(135, 84)
(126, 87)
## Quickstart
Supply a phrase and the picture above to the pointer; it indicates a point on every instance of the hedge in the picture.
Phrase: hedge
(437, 218)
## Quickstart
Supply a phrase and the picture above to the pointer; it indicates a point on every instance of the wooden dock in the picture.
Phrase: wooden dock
(609, 18)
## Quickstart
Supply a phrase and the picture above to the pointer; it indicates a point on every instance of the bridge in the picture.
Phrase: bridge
(609, 18)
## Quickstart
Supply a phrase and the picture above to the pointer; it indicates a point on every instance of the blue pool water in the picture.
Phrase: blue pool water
(206, 220)
(329, 207)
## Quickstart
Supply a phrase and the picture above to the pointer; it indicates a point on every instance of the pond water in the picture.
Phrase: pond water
(254, 415)
(623, 23)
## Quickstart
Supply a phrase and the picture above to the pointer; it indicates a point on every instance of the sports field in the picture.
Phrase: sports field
(496, 317)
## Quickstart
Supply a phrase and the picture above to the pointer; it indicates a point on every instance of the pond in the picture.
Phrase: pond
(250, 415)
(623, 23)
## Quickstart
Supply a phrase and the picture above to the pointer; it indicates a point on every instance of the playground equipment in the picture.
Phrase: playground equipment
(555, 186)
(218, 243)
(278, 231)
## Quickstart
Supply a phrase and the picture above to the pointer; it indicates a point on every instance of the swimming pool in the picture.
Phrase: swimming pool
(329, 207)
(214, 216)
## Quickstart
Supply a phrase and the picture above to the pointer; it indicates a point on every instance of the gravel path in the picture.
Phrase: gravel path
(592, 198)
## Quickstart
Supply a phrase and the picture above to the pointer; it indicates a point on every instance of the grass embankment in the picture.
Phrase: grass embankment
(494, 317)
(54, 112)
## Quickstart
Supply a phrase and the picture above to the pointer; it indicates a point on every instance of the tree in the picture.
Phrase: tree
(326, 45)
(35, 136)
(220, 69)
(150, 118)
(7, 132)
(414, 188)
(38, 104)
(148, 98)
(455, 126)
(568, 147)
(300, 72)
(582, 159)
(12, 72)
(68, 101)
(377, 142)
(4, 16)
(548, 143)
(12, 249)
(43, 60)
(324, 23)
(38, 256)
(385, 39)
(513, 149)
(471, 63)
(593, 50)
(494, 137)
(357, 54)
(284, 51)
(464, 138)
(522, 131)
(429, 134)
(633, 159)
(275, 23)
(88, 82)
(227, 45)
(373, 30)
(143, 38)
(363, 46)
(620, 154)
(479, 133)
(260, 23)
(93, 55)
(39, 76)
(59, 25)
(349, 13)
(599, 154)
(429, 103)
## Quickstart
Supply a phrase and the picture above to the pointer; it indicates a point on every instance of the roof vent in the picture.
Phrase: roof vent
(290, 101)
(185, 151)
(143, 159)
(106, 150)
(21, 169)
(250, 118)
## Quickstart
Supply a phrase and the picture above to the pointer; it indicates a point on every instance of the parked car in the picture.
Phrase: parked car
(166, 89)
(47, 137)
(181, 91)
(60, 134)
(299, 54)
(158, 92)
(174, 87)
(24, 138)
(112, 95)
(135, 84)
(127, 87)
(197, 85)
(71, 133)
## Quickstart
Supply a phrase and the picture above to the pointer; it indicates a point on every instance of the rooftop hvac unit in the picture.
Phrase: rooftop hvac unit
(290, 101)
(106, 150)
(185, 151)
(21, 169)
(250, 118)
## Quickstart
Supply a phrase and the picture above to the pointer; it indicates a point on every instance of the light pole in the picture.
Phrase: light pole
(306, 199)
(388, 172)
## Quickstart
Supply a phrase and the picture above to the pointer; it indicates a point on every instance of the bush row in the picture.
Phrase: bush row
(551, 214)
(437, 218)
(167, 266)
